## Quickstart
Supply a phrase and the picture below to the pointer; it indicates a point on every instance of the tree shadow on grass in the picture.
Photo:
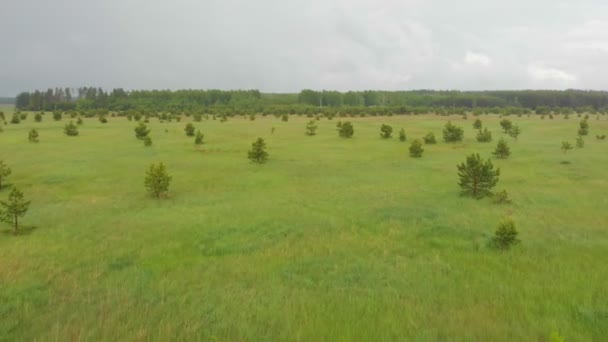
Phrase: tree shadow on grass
(23, 230)
(565, 162)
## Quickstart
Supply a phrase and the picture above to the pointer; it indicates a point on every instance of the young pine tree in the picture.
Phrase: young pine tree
(484, 136)
(514, 132)
(5, 171)
(416, 149)
(33, 136)
(157, 180)
(566, 146)
(14, 208)
(386, 131)
(147, 141)
(505, 235)
(580, 143)
(346, 130)
(477, 178)
(584, 127)
(198, 139)
(477, 124)
(15, 119)
(258, 152)
(311, 128)
(141, 131)
(402, 136)
(506, 125)
(70, 129)
(79, 122)
(57, 116)
(429, 138)
(452, 133)
(502, 150)
(189, 129)
(38, 117)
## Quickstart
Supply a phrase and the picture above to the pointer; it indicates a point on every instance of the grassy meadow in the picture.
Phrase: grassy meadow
(331, 240)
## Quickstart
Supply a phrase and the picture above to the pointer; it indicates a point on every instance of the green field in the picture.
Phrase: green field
(332, 239)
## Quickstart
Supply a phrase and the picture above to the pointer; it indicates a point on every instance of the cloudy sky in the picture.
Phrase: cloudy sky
(288, 45)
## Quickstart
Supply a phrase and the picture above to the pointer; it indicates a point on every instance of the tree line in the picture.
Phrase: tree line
(314, 102)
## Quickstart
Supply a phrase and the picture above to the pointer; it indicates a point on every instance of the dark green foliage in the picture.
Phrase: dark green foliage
(506, 124)
(33, 136)
(198, 139)
(141, 131)
(15, 119)
(285, 117)
(346, 130)
(502, 150)
(311, 128)
(514, 132)
(70, 129)
(198, 117)
(5, 171)
(584, 128)
(103, 119)
(386, 131)
(38, 117)
(477, 124)
(157, 180)
(258, 152)
(452, 133)
(477, 178)
(57, 116)
(189, 129)
(484, 136)
(502, 197)
(580, 143)
(147, 141)
(402, 136)
(79, 122)
(506, 235)
(339, 125)
(14, 208)
(600, 137)
(429, 138)
(22, 116)
(416, 149)
(566, 146)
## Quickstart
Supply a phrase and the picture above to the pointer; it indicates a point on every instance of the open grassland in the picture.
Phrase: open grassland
(332, 239)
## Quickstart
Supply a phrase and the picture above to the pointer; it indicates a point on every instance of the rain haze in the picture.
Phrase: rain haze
(286, 46)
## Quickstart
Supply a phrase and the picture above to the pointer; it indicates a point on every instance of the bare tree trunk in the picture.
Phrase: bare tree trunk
(16, 225)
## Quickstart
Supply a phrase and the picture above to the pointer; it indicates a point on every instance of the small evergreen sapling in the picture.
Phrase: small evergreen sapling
(198, 139)
(38, 117)
(33, 136)
(484, 136)
(70, 129)
(580, 143)
(258, 152)
(477, 177)
(505, 235)
(416, 149)
(514, 132)
(452, 133)
(346, 130)
(502, 150)
(147, 141)
(566, 146)
(189, 129)
(141, 130)
(157, 180)
(311, 128)
(386, 131)
(402, 136)
(584, 128)
(506, 125)
(5, 171)
(15, 119)
(79, 122)
(429, 138)
(14, 208)
(477, 124)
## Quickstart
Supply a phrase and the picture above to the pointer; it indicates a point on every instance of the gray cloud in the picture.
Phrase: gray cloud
(281, 46)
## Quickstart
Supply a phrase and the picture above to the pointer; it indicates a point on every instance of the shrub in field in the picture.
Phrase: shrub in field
(157, 180)
(79, 121)
(505, 235)
(477, 124)
(22, 116)
(506, 125)
(502, 150)
(584, 128)
(502, 197)
(103, 119)
(198, 138)
(484, 136)
(580, 143)
(416, 149)
(14, 208)
(5, 171)
(15, 119)
(141, 131)
(57, 116)
(477, 177)
(566, 146)
(339, 125)
(452, 133)
(429, 138)
(33, 136)
(600, 137)
(311, 128)
(514, 132)
(346, 130)
(189, 129)
(386, 131)
(70, 129)
(198, 117)
(258, 152)
(285, 117)
(402, 136)
(38, 117)
(147, 141)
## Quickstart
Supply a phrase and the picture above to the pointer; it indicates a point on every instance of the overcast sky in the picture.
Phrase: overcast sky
(288, 45)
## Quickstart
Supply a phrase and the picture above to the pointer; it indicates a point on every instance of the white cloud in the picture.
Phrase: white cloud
(473, 58)
(539, 72)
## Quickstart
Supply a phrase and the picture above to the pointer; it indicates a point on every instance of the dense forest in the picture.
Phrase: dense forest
(307, 101)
